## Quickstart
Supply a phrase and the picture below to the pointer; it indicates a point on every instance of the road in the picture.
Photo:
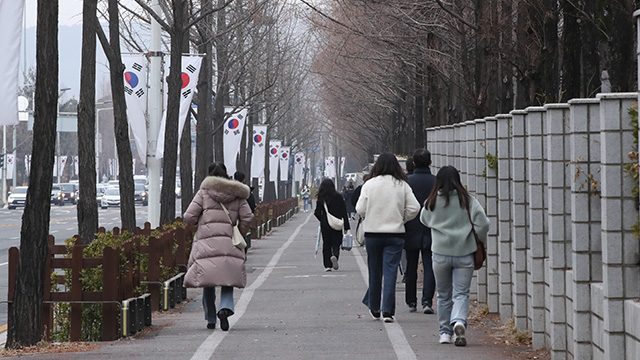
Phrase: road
(63, 225)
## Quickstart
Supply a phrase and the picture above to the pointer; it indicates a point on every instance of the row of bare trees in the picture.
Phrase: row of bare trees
(389, 69)
(255, 56)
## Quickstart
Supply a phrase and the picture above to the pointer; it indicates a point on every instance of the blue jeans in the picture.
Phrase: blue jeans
(306, 202)
(383, 258)
(453, 278)
(209, 302)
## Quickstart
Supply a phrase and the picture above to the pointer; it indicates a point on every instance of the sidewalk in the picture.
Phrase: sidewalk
(292, 309)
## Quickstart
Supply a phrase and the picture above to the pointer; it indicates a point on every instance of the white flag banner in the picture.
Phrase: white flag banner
(111, 167)
(55, 166)
(232, 136)
(11, 165)
(135, 94)
(257, 157)
(11, 29)
(342, 166)
(76, 165)
(134, 165)
(284, 163)
(190, 72)
(62, 163)
(27, 164)
(298, 167)
(326, 167)
(274, 159)
(332, 166)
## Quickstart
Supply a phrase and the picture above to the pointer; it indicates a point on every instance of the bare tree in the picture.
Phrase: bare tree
(111, 48)
(87, 210)
(25, 315)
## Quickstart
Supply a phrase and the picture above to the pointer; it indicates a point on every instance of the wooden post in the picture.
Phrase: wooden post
(110, 268)
(76, 292)
(153, 272)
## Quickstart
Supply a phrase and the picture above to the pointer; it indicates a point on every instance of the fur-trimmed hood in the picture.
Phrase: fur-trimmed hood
(224, 190)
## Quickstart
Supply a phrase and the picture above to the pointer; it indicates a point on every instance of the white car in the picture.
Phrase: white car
(18, 197)
(111, 197)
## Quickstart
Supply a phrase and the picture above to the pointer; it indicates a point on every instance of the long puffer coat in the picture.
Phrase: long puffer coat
(214, 261)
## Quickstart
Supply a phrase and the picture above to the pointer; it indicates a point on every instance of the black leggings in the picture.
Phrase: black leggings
(331, 241)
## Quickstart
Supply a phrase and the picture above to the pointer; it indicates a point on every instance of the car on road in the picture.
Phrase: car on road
(57, 196)
(111, 197)
(100, 189)
(70, 192)
(140, 194)
(17, 197)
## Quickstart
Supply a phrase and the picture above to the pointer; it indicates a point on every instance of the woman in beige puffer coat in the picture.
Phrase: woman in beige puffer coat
(214, 260)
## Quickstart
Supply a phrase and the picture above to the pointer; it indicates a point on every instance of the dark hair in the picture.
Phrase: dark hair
(422, 158)
(409, 165)
(387, 164)
(239, 176)
(448, 180)
(218, 169)
(326, 191)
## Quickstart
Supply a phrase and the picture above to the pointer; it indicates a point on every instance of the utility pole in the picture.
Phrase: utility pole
(155, 114)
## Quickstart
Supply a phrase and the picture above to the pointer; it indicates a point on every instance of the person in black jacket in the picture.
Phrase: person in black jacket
(331, 239)
(418, 237)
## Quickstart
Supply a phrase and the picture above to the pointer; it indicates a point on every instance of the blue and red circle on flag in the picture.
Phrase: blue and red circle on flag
(185, 80)
(257, 138)
(131, 78)
(299, 160)
(233, 124)
(273, 151)
(284, 155)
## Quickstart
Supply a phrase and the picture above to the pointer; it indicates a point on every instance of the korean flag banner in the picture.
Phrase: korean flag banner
(232, 136)
(274, 159)
(135, 94)
(284, 163)
(298, 167)
(11, 166)
(27, 164)
(190, 73)
(11, 29)
(76, 165)
(259, 148)
(342, 166)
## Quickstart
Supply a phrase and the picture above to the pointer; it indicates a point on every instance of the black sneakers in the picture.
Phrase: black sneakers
(387, 317)
(223, 315)
(375, 314)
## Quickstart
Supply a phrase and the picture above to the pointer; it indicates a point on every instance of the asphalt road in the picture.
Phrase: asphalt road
(63, 225)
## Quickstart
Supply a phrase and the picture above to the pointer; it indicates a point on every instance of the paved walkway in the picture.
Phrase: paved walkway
(292, 309)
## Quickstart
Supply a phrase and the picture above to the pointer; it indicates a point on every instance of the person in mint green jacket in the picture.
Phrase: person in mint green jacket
(447, 211)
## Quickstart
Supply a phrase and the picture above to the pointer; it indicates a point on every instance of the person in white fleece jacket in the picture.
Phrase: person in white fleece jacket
(386, 202)
(448, 211)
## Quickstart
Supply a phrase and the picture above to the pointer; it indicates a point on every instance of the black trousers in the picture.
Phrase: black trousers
(331, 241)
(411, 277)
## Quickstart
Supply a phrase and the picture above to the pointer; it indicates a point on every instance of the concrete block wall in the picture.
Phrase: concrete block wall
(563, 262)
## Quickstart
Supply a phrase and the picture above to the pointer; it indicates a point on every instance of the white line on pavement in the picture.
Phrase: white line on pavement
(394, 331)
(210, 344)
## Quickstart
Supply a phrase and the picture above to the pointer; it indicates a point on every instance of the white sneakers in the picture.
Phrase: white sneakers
(334, 262)
(459, 330)
(445, 338)
(459, 338)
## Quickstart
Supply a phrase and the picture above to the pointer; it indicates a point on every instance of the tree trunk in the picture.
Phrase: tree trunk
(25, 316)
(622, 71)
(204, 129)
(186, 179)
(121, 126)
(222, 93)
(186, 174)
(174, 82)
(87, 209)
(571, 53)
